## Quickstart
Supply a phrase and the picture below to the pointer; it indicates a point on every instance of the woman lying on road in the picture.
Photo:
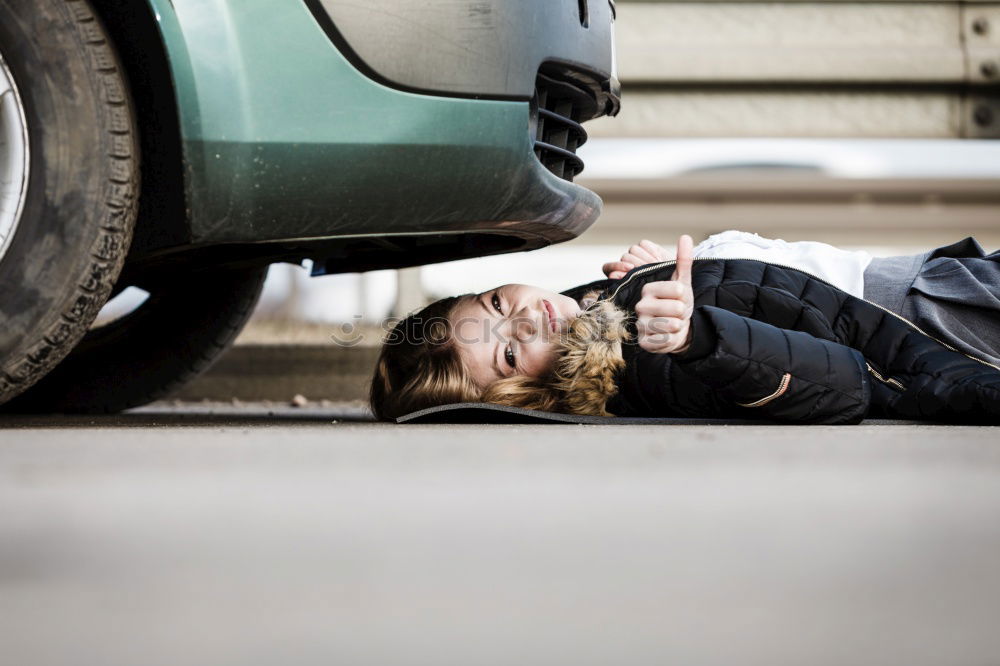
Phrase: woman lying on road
(798, 332)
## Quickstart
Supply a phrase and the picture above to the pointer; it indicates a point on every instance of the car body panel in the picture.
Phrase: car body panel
(454, 47)
(284, 139)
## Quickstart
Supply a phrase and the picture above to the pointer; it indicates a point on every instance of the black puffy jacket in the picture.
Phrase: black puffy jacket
(773, 342)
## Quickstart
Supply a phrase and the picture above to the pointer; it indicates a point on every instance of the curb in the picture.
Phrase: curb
(252, 372)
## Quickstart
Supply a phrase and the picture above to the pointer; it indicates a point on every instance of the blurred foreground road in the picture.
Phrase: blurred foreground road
(177, 537)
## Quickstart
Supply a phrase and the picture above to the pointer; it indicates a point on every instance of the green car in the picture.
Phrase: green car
(182, 146)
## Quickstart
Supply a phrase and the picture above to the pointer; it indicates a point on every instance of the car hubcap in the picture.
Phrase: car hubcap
(13, 158)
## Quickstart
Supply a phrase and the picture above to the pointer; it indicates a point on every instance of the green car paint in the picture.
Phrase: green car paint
(284, 139)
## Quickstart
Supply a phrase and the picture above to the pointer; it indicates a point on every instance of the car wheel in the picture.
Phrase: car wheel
(175, 334)
(68, 181)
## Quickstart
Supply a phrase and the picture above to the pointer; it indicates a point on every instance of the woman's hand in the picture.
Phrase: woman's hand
(664, 312)
(646, 252)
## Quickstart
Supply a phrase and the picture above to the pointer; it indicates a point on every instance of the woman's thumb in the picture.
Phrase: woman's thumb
(682, 269)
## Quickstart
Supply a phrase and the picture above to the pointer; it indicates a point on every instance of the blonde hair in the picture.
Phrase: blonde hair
(419, 366)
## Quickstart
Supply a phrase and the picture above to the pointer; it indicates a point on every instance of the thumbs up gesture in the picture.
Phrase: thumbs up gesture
(664, 311)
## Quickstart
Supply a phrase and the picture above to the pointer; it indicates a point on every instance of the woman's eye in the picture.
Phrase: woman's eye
(509, 356)
(496, 303)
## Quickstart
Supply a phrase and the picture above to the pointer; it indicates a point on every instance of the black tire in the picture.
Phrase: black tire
(80, 205)
(176, 334)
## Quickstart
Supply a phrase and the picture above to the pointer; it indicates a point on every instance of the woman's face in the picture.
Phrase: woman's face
(510, 330)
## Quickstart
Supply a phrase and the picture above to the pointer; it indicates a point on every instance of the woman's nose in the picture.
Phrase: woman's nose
(524, 326)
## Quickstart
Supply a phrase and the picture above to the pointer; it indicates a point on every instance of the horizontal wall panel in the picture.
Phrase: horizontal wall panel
(914, 212)
(762, 113)
(817, 69)
(818, 42)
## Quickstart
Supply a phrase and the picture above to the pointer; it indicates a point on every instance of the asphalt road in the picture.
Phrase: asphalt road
(181, 537)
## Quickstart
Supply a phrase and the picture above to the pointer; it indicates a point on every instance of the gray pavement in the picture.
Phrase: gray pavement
(266, 535)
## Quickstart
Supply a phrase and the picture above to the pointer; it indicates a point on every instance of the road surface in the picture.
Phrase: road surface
(177, 536)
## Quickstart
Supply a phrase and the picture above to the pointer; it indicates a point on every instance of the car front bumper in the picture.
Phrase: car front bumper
(291, 151)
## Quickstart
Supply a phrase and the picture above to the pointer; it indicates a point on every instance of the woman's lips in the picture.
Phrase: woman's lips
(550, 316)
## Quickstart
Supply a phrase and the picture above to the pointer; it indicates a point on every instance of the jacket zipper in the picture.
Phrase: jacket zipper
(885, 380)
(663, 264)
(782, 387)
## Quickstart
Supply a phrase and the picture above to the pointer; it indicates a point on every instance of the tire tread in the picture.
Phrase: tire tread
(112, 242)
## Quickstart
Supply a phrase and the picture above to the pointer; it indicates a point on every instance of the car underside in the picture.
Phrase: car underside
(182, 147)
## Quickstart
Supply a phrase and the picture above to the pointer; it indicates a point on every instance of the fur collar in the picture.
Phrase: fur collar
(590, 357)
